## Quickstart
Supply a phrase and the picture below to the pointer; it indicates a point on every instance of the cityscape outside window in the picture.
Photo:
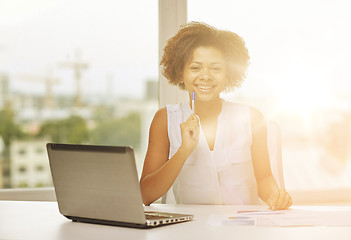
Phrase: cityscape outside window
(82, 72)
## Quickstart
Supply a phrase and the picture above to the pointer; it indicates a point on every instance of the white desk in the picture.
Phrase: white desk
(42, 220)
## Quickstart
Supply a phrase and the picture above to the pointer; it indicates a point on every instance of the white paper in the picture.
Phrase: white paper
(297, 217)
(284, 218)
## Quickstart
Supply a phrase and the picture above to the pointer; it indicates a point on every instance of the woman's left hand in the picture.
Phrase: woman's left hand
(279, 200)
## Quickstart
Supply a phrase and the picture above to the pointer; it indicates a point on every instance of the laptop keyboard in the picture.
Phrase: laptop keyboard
(157, 218)
(155, 215)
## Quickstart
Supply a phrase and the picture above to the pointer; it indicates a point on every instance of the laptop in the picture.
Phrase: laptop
(99, 184)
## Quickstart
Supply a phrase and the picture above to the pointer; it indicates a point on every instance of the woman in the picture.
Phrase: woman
(214, 152)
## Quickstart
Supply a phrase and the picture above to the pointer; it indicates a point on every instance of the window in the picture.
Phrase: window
(22, 169)
(40, 151)
(82, 72)
(22, 151)
(299, 77)
(39, 168)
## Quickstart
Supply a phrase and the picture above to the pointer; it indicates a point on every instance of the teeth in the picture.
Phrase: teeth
(205, 88)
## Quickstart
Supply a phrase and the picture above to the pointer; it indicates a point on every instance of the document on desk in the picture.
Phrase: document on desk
(284, 218)
(299, 217)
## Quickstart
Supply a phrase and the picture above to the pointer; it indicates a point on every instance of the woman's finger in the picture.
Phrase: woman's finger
(273, 199)
(285, 201)
(282, 199)
(288, 202)
(193, 117)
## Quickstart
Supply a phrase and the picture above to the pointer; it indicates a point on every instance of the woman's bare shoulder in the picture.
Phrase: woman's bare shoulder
(159, 127)
(255, 113)
(258, 123)
(160, 118)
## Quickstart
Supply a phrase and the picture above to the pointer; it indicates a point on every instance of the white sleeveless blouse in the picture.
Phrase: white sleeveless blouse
(224, 175)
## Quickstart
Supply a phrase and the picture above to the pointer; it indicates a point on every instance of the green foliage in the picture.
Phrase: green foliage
(39, 184)
(70, 130)
(8, 127)
(102, 113)
(22, 185)
(108, 131)
(123, 131)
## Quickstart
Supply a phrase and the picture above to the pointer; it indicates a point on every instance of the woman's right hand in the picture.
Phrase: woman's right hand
(190, 130)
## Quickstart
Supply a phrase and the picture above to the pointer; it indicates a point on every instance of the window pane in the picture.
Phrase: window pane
(81, 72)
(299, 77)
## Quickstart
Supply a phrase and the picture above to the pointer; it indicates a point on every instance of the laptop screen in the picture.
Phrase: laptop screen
(98, 182)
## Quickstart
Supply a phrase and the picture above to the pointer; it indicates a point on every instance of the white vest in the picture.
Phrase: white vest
(224, 175)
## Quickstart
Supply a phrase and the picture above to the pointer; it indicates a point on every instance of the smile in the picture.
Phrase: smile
(205, 88)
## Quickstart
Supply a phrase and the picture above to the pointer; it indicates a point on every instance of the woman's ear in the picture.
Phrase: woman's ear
(181, 83)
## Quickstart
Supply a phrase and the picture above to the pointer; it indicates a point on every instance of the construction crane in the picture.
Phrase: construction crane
(77, 67)
(48, 80)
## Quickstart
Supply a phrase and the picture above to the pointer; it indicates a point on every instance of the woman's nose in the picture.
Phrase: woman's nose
(205, 74)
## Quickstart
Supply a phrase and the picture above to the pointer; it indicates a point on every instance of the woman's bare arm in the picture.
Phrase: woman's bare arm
(268, 189)
(159, 173)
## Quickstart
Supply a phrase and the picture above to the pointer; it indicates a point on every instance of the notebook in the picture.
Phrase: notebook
(99, 184)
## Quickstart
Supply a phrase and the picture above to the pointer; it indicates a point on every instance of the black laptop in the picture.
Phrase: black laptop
(99, 184)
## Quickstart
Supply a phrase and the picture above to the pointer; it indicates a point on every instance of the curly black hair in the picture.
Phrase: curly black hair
(180, 47)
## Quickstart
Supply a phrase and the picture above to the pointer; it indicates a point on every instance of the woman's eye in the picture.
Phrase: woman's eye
(217, 69)
(194, 67)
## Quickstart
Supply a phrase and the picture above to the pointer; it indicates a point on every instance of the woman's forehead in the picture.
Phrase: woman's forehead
(203, 53)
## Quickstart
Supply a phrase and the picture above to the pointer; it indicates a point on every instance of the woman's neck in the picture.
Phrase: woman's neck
(205, 109)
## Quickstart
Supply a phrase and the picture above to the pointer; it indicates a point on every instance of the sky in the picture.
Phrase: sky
(297, 48)
(117, 39)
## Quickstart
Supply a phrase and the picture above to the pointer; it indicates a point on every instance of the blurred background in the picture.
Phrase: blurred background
(87, 72)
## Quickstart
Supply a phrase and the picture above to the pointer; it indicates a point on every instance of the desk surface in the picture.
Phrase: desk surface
(42, 220)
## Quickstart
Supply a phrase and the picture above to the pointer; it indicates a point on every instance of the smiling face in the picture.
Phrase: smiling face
(205, 73)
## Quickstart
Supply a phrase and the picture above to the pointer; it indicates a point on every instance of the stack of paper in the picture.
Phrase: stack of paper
(284, 218)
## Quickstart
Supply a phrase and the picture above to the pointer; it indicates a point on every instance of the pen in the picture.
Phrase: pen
(193, 98)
